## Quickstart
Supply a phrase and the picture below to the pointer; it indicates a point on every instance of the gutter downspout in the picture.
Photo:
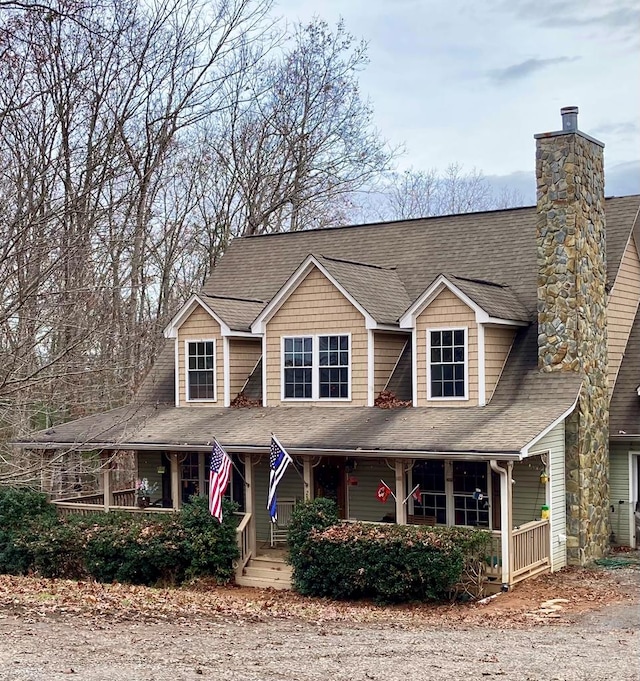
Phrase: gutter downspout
(505, 529)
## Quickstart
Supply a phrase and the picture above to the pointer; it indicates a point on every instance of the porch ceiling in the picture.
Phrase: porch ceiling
(502, 428)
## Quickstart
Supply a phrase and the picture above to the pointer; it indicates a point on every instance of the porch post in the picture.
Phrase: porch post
(107, 495)
(505, 520)
(509, 477)
(249, 501)
(175, 481)
(201, 477)
(401, 493)
(307, 474)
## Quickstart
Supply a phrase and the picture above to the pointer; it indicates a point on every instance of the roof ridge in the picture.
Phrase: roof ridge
(474, 280)
(355, 262)
(242, 300)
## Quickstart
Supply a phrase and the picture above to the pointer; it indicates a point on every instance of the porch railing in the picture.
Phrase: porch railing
(123, 500)
(122, 497)
(244, 543)
(530, 551)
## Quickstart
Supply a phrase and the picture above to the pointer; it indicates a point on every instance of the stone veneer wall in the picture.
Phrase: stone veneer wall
(572, 323)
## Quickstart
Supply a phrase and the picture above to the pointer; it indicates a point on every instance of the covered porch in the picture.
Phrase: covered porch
(479, 492)
(511, 495)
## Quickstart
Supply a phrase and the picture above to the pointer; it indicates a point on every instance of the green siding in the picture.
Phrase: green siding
(148, 463)
(553, 442)
(619, 492)
(528, 494)
(363, 503)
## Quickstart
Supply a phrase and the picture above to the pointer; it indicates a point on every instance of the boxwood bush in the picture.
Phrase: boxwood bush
(387, 563)
(136, 548)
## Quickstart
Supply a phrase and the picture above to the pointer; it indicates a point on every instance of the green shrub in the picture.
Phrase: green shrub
(136, 549)
(108, 547)
(210, 547)
(317, 514)
(21, 510)
(388, 563)
(51, 547)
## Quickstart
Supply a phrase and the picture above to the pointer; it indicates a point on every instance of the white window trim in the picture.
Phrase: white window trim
(315, 368)
(186, 369)
(466, 363)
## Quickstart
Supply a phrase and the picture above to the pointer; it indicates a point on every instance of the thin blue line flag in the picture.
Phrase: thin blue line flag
(278, 462)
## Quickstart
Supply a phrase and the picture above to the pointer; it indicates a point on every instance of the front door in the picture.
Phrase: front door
(329, 479)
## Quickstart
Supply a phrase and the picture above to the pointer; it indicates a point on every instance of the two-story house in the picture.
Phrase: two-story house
(501, 335)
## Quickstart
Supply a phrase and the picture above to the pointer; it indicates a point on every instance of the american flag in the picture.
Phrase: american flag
(220, 471)
(278, 462)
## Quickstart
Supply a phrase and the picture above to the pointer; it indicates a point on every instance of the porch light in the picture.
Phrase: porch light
(544, 478)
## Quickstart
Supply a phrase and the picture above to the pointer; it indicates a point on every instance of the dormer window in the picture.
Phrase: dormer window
(447, 367)
(316, 367)
(201, 362)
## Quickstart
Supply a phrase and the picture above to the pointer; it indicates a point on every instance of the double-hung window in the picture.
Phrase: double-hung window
(447, 366)
(201, 363)
(316, 367)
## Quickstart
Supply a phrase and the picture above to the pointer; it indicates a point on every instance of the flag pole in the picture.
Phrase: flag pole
(233, 463)
(293, 463)
(391, 492)
(411, 493)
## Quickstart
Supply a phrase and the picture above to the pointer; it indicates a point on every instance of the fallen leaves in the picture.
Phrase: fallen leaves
(548, 599)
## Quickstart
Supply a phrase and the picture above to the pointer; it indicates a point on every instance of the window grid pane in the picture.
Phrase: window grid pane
(298, 359)
(200, 377)
(333, 358)
(430, 475)
(447, 364)
(469, 476)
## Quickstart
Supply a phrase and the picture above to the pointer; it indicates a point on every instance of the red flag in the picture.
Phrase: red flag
(383, 492)
(417, 494)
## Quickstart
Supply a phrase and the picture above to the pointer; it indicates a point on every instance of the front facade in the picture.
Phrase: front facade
(469, 359)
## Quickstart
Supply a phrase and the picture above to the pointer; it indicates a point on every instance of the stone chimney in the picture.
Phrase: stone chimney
(572, 322)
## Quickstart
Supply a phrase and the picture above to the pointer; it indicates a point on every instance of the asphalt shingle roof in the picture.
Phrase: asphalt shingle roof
(491, 256)
(378, 289)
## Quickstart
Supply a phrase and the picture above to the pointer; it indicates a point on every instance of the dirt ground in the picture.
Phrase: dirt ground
(576, 625)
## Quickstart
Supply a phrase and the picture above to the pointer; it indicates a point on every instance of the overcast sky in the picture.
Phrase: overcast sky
(471, 81)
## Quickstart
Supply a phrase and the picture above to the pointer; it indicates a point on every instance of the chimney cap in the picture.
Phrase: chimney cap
(569, 118)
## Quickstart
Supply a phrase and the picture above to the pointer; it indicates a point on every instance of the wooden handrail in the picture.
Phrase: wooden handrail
(244, 542)
(530, 550)
(72, 508)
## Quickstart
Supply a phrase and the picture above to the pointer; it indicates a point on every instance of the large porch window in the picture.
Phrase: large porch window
(453, 492)
(430, 475)
(471, 493)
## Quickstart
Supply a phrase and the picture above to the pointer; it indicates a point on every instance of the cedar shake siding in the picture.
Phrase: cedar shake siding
(497, 342)
(621, 311)
(387, 350)
(316, 307)
(200, 326)
(243, 356)
(447, 311)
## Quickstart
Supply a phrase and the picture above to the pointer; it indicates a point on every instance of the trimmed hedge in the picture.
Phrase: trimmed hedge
(387, 563)
(139, 549)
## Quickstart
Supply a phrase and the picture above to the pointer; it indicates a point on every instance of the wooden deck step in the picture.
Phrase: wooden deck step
(264, 573)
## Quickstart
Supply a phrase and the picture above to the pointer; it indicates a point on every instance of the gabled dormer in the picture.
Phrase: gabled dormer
(463, 329)
(215, 351)
(319, 332)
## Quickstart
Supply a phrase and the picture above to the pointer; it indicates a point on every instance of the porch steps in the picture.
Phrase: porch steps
(266, 573)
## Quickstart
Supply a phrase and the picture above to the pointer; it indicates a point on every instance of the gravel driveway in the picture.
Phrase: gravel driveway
(590, 638)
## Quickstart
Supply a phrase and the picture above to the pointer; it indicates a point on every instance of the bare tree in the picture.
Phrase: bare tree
(417, 193)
